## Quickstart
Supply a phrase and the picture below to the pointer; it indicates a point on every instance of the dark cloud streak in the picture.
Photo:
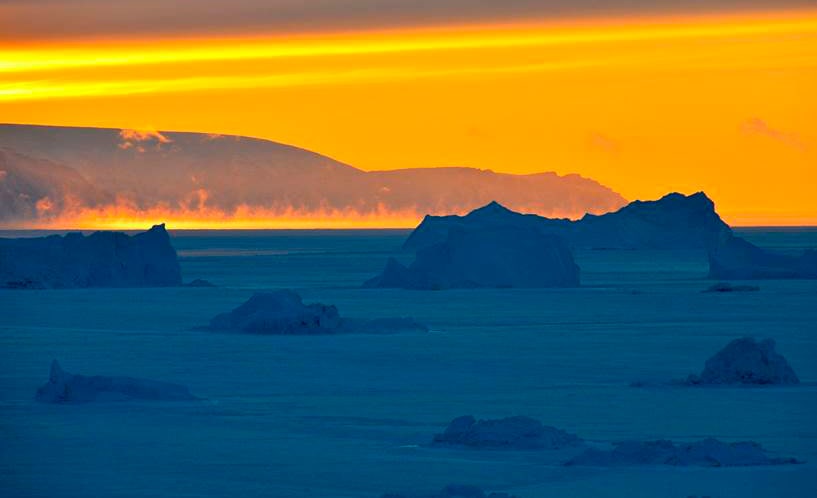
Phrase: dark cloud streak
(22, 20)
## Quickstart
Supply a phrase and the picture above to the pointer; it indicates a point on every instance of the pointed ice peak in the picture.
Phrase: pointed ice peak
(493, 205)
(699, 197)
(492, 208)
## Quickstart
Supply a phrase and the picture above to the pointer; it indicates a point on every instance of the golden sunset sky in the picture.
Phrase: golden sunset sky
(720, 97)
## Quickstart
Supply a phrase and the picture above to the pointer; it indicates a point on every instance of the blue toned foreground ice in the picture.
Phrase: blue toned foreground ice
(352, 415)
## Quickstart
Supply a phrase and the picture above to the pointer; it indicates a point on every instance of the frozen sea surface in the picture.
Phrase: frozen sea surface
(348, 416)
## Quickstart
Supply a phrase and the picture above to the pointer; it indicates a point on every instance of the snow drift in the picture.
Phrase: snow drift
(514, 433)
(102, 259)
(282, 312)
(63, 387)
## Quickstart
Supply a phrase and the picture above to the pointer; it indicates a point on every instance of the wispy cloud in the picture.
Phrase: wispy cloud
(132, 139)
(760, 127)
(144, 135)
(602, 142)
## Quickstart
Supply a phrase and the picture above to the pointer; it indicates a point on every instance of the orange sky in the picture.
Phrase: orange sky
(722, 103)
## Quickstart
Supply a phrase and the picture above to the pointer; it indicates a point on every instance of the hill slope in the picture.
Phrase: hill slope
(31, 187)
(218, 175)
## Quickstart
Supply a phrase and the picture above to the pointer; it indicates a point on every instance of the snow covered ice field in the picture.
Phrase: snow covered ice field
(349, 415)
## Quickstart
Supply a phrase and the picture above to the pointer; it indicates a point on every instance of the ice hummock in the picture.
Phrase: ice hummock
(63, 387)
(746, 361)
(723, 287)
(283, 312)
(491, 257)
(279, 312)
(517, 433)
(708, 452)
(199, 282)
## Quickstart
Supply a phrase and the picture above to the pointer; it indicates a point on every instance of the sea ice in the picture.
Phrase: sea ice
(452, 491)
(707, 453)
(384, 325)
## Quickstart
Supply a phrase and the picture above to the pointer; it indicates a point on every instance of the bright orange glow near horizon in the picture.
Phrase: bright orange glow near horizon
(721, 103)
(122, 216)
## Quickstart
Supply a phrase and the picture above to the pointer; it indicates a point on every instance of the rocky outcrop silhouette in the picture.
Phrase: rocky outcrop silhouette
(102, 259)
